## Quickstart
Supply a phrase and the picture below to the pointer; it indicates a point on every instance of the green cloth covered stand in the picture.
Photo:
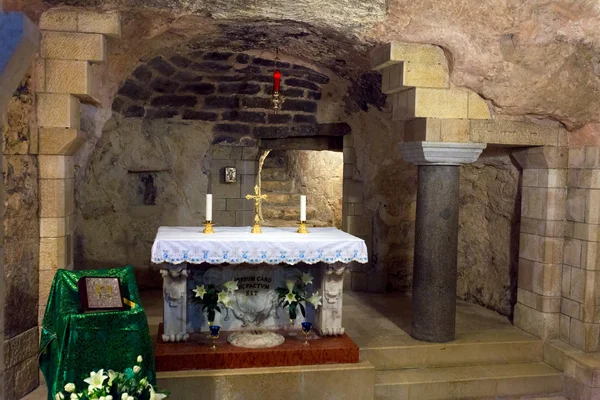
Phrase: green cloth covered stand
(73, 344)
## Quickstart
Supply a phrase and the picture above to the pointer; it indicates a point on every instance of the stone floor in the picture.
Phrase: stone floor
(380, 325)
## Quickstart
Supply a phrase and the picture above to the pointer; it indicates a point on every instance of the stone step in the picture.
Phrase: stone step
(283, 199)
(286, 186)
(471, 348)
(274, 212)
(274, 174)
(468, 382)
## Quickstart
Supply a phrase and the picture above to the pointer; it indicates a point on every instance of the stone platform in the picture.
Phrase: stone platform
(197, 354)
(489, 358)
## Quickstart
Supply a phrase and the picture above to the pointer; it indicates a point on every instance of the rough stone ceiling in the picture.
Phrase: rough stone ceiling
(528, 57)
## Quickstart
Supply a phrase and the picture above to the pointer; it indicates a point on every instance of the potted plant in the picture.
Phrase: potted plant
(295, 295)
(210, 296)
(128, 385)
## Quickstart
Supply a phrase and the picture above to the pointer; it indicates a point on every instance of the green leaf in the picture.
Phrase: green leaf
(302, 310)
(218, 309)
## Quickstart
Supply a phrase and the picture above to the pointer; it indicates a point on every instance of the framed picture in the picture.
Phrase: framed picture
(230, 175)
(100, 293)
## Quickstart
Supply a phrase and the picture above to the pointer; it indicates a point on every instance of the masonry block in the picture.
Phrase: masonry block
(58, 110)
(393, 53)
(576, 157)
(584, 335)
(56, 197)
(73, 46)
(59, 20)
(540, 324)
(56, 167)
(539, 278)
(589, 179)
(74, 77)
(60, 141)
(478, 108)
(401, 76)
(513, 133)
(54, 227)
(592, 208)
(538, 302)
(108, 23)
(427, 102)
(576, 199)
(437, 130)
(53, 253)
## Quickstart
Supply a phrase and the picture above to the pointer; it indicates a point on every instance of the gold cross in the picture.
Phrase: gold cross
(258, 198)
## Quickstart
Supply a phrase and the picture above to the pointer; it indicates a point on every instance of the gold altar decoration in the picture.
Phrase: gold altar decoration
(302, 228)
(258, 198)
(208, 227)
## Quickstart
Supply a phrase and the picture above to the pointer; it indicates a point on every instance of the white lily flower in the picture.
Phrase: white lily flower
(95, 380)
(290, 285)
(102, 398)
(111, 376)
(307, 279)
(290, 298)
(156, 396)
(109, 397)
(222, 296)
(315, 300)
(130, 398)
(227, 302)
(136, 369)
(231, 286)
(140, 359)
(200, 292)
(59, 396)
(74, 396)
(124, 396)
(70, 387)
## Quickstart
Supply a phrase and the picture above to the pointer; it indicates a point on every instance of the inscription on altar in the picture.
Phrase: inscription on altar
(253, 284)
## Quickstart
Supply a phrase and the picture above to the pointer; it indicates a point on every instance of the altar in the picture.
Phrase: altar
(258, 263)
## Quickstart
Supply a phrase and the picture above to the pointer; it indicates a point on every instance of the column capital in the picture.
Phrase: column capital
(440, 153)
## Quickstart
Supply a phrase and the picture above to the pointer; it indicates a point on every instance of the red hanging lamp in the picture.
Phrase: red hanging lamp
(276, 100)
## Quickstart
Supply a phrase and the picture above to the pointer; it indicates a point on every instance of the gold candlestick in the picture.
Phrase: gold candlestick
(302, 228)
(208, 227)
(258, 198)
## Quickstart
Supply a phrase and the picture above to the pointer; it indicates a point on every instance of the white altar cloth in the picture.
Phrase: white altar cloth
(236, 245)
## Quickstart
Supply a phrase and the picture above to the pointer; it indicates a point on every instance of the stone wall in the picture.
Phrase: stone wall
(21, 242)
(143, 174)
(488, 246)
(319, 175)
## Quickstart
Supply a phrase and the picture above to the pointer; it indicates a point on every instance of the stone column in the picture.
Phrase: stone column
(436, 235)
(541, 241)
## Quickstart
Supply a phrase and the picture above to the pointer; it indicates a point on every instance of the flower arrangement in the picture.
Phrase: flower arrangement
(212, 295)
(113, 386)
(295, 293)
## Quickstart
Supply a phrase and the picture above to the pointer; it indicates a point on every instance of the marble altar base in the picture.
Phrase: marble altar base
(196, 353)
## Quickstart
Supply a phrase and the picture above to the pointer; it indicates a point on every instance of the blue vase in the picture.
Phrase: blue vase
(306, 327)
(214, 330)
(214, 335)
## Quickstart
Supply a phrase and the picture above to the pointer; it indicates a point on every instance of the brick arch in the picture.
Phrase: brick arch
(233, 90)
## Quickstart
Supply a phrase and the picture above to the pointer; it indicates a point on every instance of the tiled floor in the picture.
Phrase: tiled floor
(382, 321)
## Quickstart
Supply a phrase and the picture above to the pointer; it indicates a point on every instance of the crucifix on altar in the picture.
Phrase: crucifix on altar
(258, 198)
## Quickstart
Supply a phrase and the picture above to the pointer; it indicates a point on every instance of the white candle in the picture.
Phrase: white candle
(209, 207)
(302, 207)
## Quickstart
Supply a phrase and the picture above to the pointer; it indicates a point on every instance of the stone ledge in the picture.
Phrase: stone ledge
(437, 153)
(393, 53)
